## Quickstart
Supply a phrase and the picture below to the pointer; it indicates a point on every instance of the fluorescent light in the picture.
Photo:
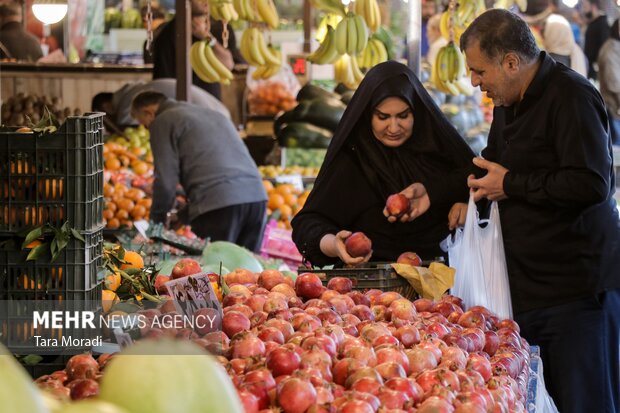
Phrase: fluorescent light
(570, 3)
(49, 12)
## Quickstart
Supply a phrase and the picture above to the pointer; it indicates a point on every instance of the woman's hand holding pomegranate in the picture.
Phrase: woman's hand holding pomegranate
(419, 203)
(334, 246)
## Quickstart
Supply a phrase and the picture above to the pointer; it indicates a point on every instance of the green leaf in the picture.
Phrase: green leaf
(77, 235)
(37, 251)
(33, 235)
(32, 359)
(54, 246)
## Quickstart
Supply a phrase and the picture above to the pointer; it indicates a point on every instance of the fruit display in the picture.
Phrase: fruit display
(369, 11)
(128, 176)
(449, 73)
(283, 202)
(302, 346)
(259, 11)
(21, 109)
(268, 98)
(223, 10)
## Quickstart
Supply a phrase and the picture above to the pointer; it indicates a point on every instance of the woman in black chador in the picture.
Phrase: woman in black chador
(392, 138)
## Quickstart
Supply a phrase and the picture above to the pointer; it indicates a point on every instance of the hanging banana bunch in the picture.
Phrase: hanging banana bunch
(347, 71)
(223, 10)
(374, 53)
(329, 6)
(351, 34)
(270, 68)
(449, 71)
(258, 11)
(254, 49)
(369, 10)
(206, 65)
(329, 19)
(326, 53)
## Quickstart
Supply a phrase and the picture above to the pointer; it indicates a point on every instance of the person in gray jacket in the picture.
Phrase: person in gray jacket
(609, 78)
(200, 149)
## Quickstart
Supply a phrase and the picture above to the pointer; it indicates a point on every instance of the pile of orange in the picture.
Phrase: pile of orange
(113, 280)
(124, 205)
(286, 200)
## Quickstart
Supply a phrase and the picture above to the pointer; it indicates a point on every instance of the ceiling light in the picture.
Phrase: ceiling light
(49, 11)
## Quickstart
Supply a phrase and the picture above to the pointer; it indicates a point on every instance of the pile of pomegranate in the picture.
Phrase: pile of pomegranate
(298, 347)
(307, 348)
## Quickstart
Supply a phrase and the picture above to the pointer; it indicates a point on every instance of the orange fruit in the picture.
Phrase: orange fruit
(108, 214)
(108, 299)
(275, 201)
(140, 168)
(113, 281)
(125, 161)
(134, 194)
(122, 214)
(119, 188)
(138, 151)
(126, 204)
(113, 164)
(134, 259)
(113, 223)
(111, 206)
(108, 190)
(267, 185)
(286, 211)
(290, 199)
(138, 212)
(147, 202)
(285, 189)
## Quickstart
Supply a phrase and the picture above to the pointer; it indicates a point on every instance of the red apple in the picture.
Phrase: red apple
(397, 205)
(160, 280)
(410, 258)
(358, 245)
(185, 267)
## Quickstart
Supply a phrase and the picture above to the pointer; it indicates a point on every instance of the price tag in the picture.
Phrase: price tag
(193, 293)
(122, 338)
(142, 226)
(294, 180)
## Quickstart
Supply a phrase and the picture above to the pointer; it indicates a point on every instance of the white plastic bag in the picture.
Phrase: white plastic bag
(477, 253)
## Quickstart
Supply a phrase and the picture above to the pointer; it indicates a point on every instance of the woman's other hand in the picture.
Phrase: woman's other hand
(457, 214)
(333, 246)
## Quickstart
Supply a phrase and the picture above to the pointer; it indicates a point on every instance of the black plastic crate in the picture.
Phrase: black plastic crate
(53, 178)
(75, 270)
(380, 276)
(48, 365)
(19, 333)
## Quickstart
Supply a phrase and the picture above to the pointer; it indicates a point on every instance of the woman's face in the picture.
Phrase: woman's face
(392, 122)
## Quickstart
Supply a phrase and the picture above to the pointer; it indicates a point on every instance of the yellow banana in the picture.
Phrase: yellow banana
(202, 68)
(351, 35)
(341, 36)
(238, 5)
(360, 9)
(251, 9)
(268, 13)
(381, 51)
(444, 25)
(222, 71)
(244, 45)
(264, 51)
(355, 70)
(464, 86)
(374, 15)
(255, 34)
(361, 35)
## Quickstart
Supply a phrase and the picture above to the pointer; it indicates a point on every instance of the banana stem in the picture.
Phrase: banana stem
(225, 34)
(452, 11)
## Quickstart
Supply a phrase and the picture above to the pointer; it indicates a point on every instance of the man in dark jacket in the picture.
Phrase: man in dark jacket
(200, 149)
(16, 41)
(597, 33)
(549, 164)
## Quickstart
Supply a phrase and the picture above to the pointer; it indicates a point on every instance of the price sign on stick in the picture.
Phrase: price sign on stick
(194, 293)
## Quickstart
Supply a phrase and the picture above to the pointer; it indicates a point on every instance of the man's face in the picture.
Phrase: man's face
(492, 75)
(429, 7)
(146, 115)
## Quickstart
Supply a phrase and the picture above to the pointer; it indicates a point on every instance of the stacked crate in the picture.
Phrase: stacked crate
(50, 178)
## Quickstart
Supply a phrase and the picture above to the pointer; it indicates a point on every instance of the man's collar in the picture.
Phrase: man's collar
(539, 82)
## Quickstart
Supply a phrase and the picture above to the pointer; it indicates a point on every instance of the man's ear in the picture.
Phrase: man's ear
(511, 62)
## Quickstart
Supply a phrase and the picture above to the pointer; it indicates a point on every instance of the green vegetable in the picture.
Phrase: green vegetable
(310, 91)
(325, 113)
(230, 255)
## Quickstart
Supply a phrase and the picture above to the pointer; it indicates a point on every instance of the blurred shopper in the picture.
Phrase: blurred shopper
(117, 105)
(201, 149)
(435, 39)
(596, 34)
(429, 9)
(560, 44)
(164, 47)
(16, 42)
(549, 165)
(609, 77)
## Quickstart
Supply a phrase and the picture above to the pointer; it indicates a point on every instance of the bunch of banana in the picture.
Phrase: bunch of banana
(223, 10)
(444, 26)
(329, 6)
(347, 72)
(449, 73)
(351, 34)
(254, 49)
(268, 70)
(468, 10)
(326, 52)
(258, 11)
(369, 10)
(206, 65)
(329, 19)
(374, 53)
(507, 4)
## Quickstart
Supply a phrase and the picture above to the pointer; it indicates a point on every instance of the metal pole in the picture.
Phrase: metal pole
(183, 39)
(414, 35)
(307, 25)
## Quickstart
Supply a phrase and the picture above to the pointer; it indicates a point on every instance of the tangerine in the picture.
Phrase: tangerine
(267, 185)
(285, 189)
(113, 281)
(108, 299)
(138, 212)
(108, 214)
(111, 206)
(290, 199)
(113, 223)
(275, 201)
(140, 168)
(134, 260)
(122, 214)
(113, 164)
